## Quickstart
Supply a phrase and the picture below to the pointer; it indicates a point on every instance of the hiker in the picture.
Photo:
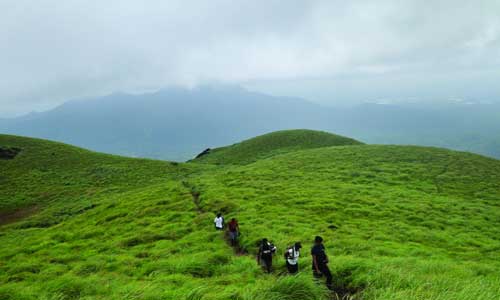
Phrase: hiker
(320, 261)
(219, 222)
(292, 258)
(266, 251)
(234, 231)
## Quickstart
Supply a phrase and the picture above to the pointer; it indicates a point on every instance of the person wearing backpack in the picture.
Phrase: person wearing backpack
(292, 258)
(219, 222)
(234, 231)
(320, 261)
(265, 255)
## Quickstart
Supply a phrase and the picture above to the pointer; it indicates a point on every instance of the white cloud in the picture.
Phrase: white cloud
(54, 50)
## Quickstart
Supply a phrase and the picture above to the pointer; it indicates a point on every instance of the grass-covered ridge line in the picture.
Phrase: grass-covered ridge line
(272, 144)
(400, 222)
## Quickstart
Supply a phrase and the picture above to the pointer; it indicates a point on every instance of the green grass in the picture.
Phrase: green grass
(272, 144)
(399, 222)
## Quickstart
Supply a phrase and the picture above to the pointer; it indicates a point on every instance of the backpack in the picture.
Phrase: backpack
(287, 253)
(267, 250)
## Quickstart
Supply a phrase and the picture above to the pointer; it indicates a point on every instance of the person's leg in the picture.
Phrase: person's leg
(269, 264)
(289, 268)
(316, 274)
(326, 272)
(295, 268)
(263, 262)
(236, 233)
(232, 236)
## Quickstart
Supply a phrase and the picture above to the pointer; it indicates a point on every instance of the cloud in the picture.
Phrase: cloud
(54, 50)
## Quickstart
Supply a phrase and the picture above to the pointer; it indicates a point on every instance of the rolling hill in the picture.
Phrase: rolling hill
(399, 222)
(272, 144)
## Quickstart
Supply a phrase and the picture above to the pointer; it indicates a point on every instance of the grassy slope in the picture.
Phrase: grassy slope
(113, 228)
(412, 223)
(45, 172)
(272, 144)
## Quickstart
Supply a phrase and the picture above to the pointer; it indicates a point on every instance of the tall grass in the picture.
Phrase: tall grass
(398, 222)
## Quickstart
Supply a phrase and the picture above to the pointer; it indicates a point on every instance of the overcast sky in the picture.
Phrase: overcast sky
(328, 51)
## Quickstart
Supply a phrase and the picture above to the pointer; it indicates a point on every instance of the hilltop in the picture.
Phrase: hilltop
(272, 144)
(394, 218)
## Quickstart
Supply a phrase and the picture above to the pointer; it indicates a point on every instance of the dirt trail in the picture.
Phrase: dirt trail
(196, 201)
(238, 249)
(195, 194)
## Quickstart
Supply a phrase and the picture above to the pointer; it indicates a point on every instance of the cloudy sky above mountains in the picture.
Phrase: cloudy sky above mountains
(327, 51)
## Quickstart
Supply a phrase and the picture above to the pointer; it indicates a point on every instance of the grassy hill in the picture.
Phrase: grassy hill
(399, 222)
(44, 172)
(272, 144)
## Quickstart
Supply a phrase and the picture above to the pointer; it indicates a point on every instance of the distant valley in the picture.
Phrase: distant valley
(176, 124)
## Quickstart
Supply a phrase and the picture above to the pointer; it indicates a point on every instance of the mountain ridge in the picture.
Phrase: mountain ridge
(176, 124)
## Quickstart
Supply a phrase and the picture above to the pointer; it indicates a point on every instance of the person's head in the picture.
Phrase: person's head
(219, 215)
(233, 220)
(264, 241)
(318, 240)
(298, 245)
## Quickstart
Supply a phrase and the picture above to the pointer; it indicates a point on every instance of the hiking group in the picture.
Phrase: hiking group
(267, 250)
(232, 226)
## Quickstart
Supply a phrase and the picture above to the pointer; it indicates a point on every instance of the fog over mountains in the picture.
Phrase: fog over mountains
(177, 123)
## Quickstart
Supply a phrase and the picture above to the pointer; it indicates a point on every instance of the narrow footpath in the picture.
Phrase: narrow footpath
(340, 293)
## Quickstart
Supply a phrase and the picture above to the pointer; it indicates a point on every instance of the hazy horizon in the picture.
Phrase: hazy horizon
(277, 90)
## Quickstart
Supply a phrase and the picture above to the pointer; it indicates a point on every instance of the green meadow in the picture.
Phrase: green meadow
(399, 222)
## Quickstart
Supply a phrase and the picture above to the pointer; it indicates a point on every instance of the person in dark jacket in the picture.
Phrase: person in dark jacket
(320, 261)
(265, 255)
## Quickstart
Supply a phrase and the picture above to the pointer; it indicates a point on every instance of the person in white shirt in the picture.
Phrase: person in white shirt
(292, 258)
(219, 222)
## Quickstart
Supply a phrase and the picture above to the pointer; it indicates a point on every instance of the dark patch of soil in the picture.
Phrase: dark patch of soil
(13, 216)
(346, 294)
(344, 287)
(9, 152)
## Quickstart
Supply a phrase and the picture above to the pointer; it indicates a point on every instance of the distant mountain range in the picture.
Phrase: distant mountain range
(176, 124)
